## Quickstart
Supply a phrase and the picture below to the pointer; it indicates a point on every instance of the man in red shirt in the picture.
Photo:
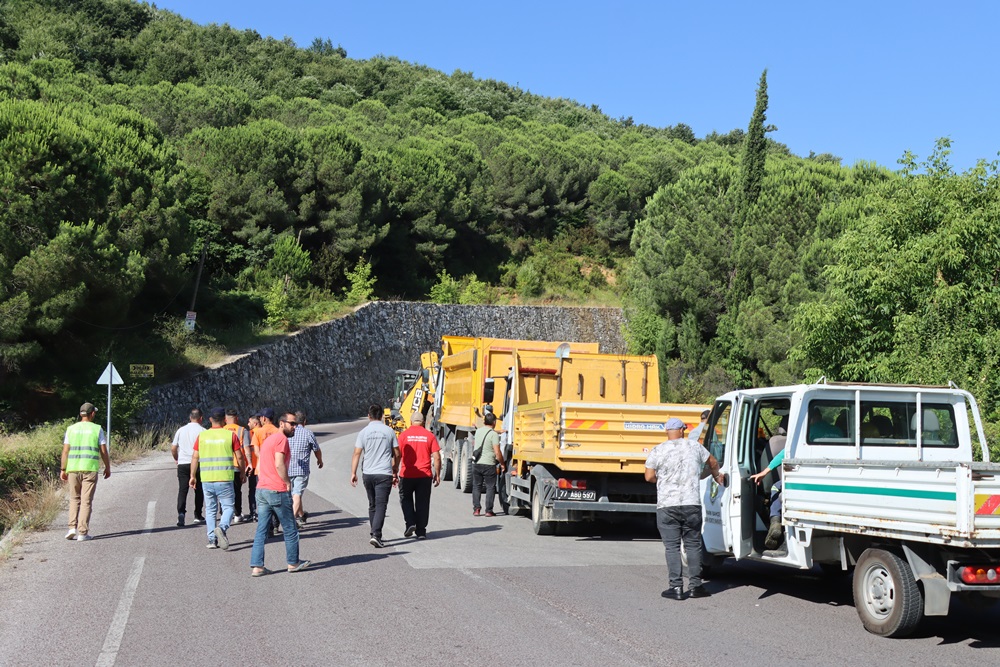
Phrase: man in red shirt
(418, 448)
(274, 497)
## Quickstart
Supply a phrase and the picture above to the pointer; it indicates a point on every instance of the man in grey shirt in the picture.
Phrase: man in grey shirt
(380, 473)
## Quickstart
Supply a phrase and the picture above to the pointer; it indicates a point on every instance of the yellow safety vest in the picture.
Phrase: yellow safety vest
(84, 447)
(215, 455)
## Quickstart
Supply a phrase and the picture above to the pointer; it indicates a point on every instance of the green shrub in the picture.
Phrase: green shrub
(446, 289)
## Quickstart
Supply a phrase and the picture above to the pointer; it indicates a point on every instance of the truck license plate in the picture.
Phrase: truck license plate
(576, 494)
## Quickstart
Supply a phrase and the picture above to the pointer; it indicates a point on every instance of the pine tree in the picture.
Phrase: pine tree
(754, 153)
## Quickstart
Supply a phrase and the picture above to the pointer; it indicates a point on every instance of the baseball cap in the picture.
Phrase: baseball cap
(675, 423)
(268, 413)
(87, 408)
(218, 414)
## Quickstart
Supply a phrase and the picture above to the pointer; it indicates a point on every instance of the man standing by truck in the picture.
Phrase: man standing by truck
(487, 442)
(675, 467)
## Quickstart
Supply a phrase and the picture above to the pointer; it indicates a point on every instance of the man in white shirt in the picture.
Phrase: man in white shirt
(182, 449)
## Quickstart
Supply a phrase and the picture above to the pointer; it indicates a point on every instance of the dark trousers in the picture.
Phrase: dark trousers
(237, 500)
(183, 476)
(484, 474)
(415, 499)
(378, 488)
(681, 523)
(252, 493)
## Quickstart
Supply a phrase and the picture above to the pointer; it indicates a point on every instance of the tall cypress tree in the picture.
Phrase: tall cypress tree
(754, 153)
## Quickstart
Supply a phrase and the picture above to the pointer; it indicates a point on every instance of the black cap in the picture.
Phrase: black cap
(218, 414)
(268, 413)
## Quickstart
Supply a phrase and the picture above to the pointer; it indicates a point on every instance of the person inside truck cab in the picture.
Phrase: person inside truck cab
(820, 428)
(775, 531)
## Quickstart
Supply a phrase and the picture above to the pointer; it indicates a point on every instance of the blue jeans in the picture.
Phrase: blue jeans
(676, 524)
(277, 503)
(216, 493)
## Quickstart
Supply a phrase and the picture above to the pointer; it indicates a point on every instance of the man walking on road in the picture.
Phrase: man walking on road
(182, 448)
(417, 448)
(243, 435)
(274, 498)
(213, 454)
(487, 440)
(675, 466)
(267, 428)
(302, 443)
(84, 447)
(381, 451)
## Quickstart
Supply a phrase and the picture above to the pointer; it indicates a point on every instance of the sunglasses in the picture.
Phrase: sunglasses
(289, 423)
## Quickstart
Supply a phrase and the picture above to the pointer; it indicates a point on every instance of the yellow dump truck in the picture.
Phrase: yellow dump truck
(577, 430)
(470, 377)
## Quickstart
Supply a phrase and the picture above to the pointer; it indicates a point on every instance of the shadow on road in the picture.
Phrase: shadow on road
(964, 623)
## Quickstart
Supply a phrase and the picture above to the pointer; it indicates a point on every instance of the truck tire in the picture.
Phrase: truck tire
(446, 470)
(465, 466)
(541, 527)
(456, 467)
(886, 595)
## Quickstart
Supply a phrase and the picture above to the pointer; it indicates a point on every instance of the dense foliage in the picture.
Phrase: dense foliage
(134, 143)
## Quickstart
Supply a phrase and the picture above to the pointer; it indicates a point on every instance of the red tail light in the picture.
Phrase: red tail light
(572, 483)
(981, 574)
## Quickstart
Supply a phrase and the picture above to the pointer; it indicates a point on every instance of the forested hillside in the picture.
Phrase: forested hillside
(133, 143)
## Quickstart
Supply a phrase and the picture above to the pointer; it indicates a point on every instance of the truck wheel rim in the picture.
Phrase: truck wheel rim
(879, 591)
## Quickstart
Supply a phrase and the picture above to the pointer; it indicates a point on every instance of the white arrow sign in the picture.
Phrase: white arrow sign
(110, 377)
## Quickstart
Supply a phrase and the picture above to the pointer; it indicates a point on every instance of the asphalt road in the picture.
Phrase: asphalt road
(478, 591)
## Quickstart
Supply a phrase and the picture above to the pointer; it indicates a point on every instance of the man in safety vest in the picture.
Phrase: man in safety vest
(213, 459)
(84, 446)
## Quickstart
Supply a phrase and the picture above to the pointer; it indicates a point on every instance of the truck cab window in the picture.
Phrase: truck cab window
(717, 429)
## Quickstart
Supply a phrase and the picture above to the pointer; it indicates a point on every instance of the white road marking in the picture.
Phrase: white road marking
(113, 640)
(150, 517)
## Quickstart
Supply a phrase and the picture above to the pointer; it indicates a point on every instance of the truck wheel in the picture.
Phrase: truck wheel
(446, 469)
(465, 465)
(886, 595)
(456, 467)
(541, 527)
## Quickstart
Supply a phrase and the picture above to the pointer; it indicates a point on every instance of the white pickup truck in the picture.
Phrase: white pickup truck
(878, 478)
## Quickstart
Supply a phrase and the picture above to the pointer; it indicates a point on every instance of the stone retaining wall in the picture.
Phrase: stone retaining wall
(337, 369)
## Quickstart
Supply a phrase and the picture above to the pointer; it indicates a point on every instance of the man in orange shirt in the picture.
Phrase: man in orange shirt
(243, 435)
(418, 448)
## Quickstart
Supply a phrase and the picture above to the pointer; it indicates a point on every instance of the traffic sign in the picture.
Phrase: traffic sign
(110, 376)
(140, 370)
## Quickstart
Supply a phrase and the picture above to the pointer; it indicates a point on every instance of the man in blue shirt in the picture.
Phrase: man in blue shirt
(301, 443)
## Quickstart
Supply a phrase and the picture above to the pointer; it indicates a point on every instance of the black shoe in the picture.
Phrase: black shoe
(409, 531)
(198, 519)
(699, 592)
(675, 593)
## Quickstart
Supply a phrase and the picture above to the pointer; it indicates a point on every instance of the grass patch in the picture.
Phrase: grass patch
(31, 493)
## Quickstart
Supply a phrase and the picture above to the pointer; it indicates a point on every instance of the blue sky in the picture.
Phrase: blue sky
(861, 80)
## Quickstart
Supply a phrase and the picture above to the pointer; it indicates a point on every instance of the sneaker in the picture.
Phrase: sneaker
(83, 538)
(71, 535)
(475, 512)
(376, 542)
(489, 513)
(675, 593)
(253, 517)
(222, 538)
(409, 531)
(247, 518)
(422, 537)
(237, 518)
(212, 545)
(180, 520)
(198, 519)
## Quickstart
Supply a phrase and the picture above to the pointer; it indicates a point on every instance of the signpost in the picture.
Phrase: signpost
(109, 377)
(189, 320)
(141, 370)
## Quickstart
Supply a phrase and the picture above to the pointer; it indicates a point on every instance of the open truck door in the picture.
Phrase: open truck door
(721, 505)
